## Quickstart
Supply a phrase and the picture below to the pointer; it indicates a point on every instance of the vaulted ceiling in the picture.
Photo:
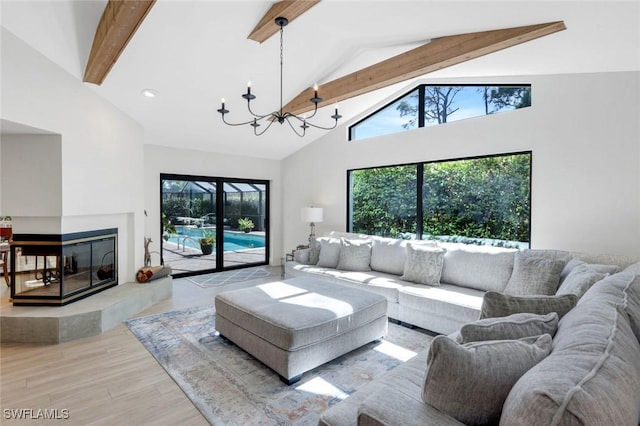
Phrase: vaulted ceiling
(195, 52)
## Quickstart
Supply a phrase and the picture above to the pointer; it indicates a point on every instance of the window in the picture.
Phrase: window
(212, 223)
(429, 105)
(480, 200)
(384, 200)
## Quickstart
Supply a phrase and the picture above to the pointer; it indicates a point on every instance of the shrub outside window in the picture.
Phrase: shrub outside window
(480, 200)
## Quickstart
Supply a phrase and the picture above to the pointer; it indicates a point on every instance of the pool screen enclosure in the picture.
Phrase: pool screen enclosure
(213, 223)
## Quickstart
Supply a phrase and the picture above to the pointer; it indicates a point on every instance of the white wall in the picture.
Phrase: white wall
(32, 174)
(583, 130)
(101, 158)
(159, 160)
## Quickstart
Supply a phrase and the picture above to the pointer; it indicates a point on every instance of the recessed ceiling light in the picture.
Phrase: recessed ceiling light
(150, 93)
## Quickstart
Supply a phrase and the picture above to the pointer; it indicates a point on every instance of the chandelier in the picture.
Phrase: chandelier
(281, 116)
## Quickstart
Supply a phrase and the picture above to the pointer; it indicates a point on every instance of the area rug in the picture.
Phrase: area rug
(228, 277)
(230, 387)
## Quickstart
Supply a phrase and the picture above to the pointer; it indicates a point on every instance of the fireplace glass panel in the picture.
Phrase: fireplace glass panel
(58, 269)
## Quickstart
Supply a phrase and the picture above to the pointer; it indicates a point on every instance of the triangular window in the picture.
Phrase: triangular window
(429, 105)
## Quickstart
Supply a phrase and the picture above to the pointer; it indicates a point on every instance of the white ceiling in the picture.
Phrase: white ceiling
(196, 52)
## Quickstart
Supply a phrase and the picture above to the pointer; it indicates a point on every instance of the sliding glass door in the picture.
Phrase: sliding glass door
(212, 223)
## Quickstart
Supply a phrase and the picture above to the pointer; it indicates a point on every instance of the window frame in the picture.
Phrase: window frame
(220, 212)
(421, 105)
(419, 225)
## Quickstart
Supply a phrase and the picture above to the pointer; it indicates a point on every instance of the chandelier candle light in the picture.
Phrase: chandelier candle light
(281, 116)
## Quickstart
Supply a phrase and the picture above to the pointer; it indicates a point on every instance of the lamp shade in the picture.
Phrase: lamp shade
(312, 214)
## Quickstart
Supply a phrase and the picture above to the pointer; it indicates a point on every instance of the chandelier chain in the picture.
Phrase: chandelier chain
(281, 64)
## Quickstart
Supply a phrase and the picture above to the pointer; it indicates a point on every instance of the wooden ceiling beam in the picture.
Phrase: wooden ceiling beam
(289, 9)
(437, 54)
(118, 24)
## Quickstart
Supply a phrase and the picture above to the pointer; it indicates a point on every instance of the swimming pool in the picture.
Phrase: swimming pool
(233, 241)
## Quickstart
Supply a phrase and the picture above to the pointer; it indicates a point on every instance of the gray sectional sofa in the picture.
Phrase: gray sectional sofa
(467, 272)
(584, 370)
(590, 377)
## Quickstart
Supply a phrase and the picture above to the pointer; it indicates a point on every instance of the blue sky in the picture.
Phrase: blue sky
(468, 100)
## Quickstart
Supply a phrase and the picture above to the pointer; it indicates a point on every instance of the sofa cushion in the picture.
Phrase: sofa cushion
(514, 326)
(389, 254)
(423, 264)
(355, 255)
(633, 306)
(314, 251)
(597, 267)
(534, 275)
(377, 282)
(394, 398)
(470, 382)
(329, 252)
(480, 267)
(548, 254)
(348, 235)
(633, 269)
(580, 279)
(501, 305)
(441, 309)
(592, 377)
(303, 256)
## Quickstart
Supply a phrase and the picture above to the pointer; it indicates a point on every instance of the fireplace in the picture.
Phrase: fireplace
(57, 269)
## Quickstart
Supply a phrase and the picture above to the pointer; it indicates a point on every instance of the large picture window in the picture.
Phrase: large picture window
(429, 105)
(480, 200)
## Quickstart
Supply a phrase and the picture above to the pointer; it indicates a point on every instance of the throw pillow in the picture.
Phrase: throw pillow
(355, 255)
(329, 252)
(633, 269)
(389, 254)
(548, 254)
(597, 267)
(514, 326)
(501, 305)
(534, 275)
(423, 264)
(470, 382)
(302, 256)
(579, 280)
(314, 251)
(633, 306)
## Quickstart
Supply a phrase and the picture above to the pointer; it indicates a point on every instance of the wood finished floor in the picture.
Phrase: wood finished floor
(108, 379)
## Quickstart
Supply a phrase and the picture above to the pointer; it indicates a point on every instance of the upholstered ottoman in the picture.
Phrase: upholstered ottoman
(298, 324)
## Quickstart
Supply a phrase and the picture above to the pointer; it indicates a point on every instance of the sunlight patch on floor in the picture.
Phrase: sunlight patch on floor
(395, 351)
(319, 386)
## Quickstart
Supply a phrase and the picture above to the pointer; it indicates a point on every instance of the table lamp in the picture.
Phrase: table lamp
(312, 215)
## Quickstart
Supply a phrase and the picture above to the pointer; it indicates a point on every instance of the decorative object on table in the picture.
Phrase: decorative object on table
(312, 215)
(245, 224)
(150, 273)
(167, 227)
(207, 242)
(281, 116)
(147, 254)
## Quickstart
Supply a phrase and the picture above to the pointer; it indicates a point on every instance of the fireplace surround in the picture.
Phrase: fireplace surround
(57, 269)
